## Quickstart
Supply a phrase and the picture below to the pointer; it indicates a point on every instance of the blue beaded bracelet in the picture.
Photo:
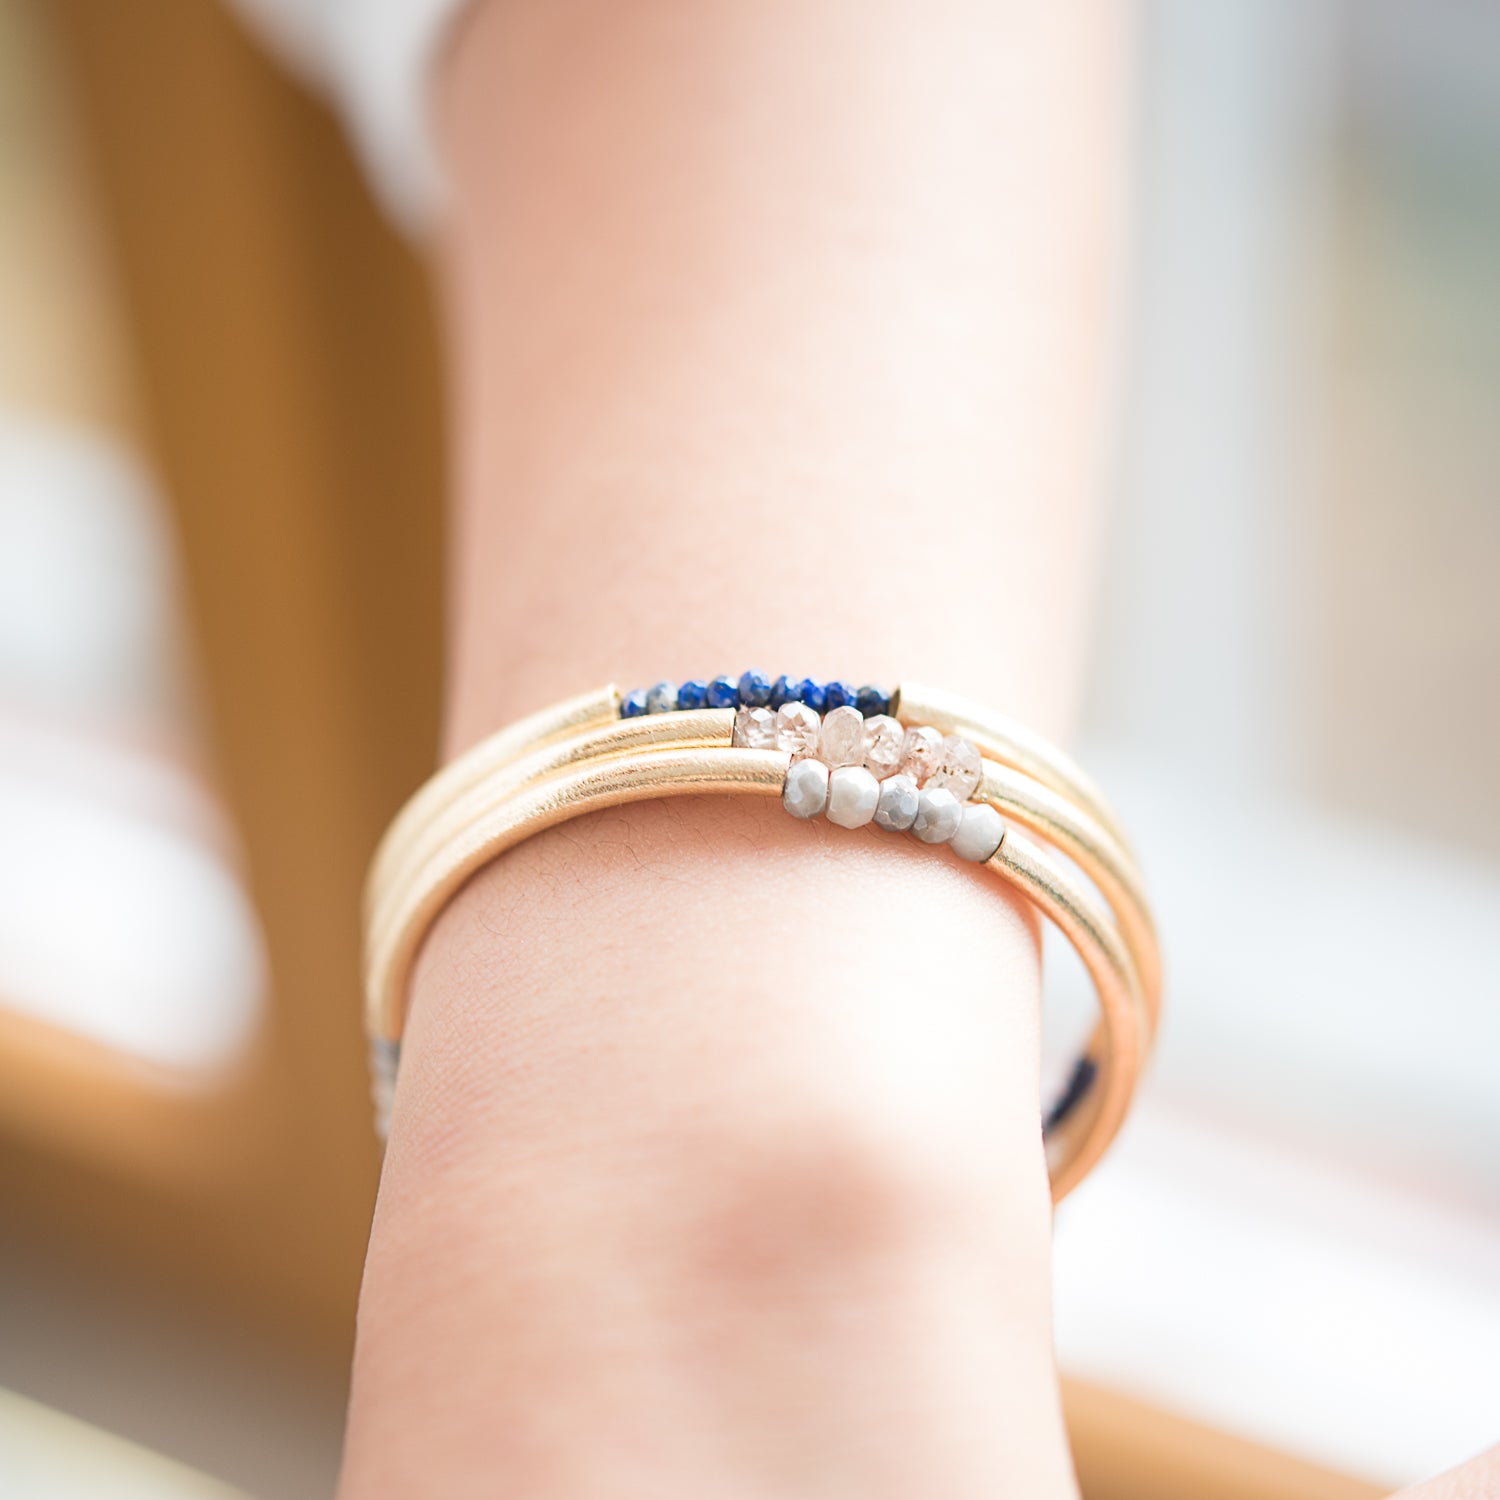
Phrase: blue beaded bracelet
(753, 690)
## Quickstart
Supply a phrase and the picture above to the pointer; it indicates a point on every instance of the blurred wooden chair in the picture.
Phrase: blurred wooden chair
(281, 352)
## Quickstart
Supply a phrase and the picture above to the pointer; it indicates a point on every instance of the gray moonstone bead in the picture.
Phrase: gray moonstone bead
(979, 833)
(897, 809)
(939, 813)
(853, 794)
(805, 793)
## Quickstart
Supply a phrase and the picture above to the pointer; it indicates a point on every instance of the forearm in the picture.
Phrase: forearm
(716, 1164)
(778, 337)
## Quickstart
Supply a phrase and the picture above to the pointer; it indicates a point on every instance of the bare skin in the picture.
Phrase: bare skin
(779, 337)
(1479, 1479)
(716, 1164)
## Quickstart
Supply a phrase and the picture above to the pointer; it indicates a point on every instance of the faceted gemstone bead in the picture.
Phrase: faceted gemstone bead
(897, 809)
(853, 796)
(811, 692)
(633, 704)
(755, 729)
(693, 693)
(755, 690)
(842, 742)
(723, 693)
(805, 794)
(784, 690)
(921, 753)
(837, 695)
(797, 729)
(871, 701)
(939, 813)
(979, 833)
(662, 699)
(884, 741)
(959, 768)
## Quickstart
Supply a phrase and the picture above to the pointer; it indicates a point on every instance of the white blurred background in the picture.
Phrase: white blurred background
(1296, 697)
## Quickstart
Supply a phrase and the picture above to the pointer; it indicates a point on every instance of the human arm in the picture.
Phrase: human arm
(779, 337)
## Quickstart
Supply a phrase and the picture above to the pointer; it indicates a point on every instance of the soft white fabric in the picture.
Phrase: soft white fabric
(374, 58)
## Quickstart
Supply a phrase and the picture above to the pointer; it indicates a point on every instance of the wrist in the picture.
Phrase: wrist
(716, 1143)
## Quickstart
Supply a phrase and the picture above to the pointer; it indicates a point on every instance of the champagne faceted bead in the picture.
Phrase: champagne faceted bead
(958, 768)
(797, 729)
(755, 729)
(922, 753)
(884, 742)
(842, 742)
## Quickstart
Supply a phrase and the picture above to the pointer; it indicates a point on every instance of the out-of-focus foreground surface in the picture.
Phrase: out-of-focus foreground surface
(218, 651)
(220, 488)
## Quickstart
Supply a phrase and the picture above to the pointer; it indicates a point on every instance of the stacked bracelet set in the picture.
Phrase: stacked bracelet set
(915, 761)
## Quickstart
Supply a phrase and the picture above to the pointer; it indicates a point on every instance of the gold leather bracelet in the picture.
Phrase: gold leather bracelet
(892, 760)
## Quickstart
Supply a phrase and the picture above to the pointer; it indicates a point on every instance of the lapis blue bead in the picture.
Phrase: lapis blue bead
(813, 694)
(693, 693)
(871, 701)
(755, 690)
(633, 704)
(785, 690)
(661, 699)
(837, 695)
(722, 693)
(1080, 1081)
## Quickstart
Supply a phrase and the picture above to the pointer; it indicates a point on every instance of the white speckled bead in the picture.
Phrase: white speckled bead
(797, 729)
(939, 813)
(921, 753)
(755, 729)
(897, 809)
(979, 832)
(853, 796)
(884, 741)
(842, 742)
(805, 794)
